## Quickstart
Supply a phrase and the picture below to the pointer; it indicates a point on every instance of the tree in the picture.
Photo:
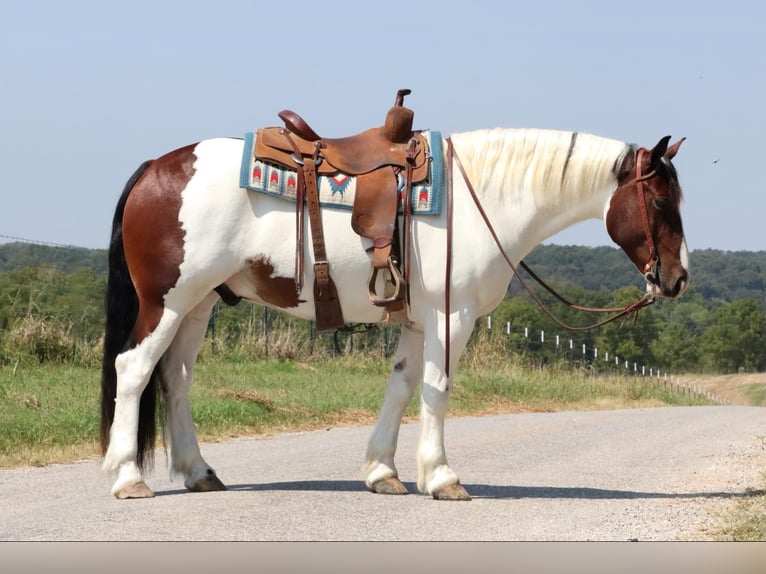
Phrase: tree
(681, 324)
(676, 349)
(736, 339)
(632, 338)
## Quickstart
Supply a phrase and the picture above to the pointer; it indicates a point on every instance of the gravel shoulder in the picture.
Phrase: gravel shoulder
(644, 474)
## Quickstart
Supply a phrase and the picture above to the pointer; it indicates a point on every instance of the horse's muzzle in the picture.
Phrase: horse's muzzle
(659, 285)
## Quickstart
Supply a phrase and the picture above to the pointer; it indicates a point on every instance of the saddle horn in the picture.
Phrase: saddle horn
(398, 125)
(399, 101)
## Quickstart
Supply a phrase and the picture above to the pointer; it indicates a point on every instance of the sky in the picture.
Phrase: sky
(91, 89)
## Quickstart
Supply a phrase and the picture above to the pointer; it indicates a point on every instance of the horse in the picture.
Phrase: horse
(185, 234)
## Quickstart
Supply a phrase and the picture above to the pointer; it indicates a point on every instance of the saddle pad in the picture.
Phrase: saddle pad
(338, 190)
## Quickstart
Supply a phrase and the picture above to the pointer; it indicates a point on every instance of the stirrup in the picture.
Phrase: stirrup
(398, 280)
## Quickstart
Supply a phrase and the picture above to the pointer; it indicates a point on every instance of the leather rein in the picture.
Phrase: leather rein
(618, 312)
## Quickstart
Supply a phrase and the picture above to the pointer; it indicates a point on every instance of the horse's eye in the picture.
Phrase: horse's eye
(661, 202)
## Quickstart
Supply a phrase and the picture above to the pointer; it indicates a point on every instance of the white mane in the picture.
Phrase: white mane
(556, 167)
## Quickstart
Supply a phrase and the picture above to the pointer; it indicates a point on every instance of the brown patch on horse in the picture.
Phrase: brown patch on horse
(277, 291)
(661, 195)
(152, 234)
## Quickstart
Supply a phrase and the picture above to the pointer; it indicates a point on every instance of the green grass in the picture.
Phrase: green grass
(756, 394)
(49, 413)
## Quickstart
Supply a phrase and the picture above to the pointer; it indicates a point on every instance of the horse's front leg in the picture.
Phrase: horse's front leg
(177, 368)
(379, 468)
(435, 477)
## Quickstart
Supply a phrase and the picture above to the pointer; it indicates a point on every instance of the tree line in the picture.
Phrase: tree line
(51, 307)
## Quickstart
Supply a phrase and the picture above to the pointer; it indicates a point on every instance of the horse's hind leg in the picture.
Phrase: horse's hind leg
(155, 329)
(177, 367)
(380, 471)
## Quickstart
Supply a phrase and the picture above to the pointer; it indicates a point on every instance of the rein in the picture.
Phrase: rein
(618, 311)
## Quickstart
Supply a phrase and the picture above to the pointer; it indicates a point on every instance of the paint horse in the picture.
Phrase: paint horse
(184, 231)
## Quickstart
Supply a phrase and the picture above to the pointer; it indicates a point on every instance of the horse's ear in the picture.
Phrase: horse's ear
(658, 151)
(671, 152)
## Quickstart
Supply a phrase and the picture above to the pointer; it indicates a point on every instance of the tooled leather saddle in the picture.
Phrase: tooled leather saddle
(386, 161)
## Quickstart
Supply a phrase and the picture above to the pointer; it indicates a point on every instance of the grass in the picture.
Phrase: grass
(756, 393)
(273, 396)
(49, 413)
(736, 389)
(745, 521)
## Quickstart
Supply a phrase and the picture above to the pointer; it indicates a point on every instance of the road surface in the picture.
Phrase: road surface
(645, 474)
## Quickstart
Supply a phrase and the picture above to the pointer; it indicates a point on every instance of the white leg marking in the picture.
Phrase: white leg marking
(433, 471)
(134, 367)
(407, 373)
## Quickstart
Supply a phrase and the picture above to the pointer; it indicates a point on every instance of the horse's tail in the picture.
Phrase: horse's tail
(121, 304)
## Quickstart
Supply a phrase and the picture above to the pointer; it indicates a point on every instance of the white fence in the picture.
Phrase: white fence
(569, 348)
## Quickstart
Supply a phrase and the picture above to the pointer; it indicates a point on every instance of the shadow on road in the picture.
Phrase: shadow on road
(487, 491)
(557, 492)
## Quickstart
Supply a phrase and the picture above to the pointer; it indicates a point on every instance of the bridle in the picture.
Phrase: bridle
(618, 312)
(654, 258)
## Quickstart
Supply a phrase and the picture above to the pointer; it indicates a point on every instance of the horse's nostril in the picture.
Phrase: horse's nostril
(681, 283)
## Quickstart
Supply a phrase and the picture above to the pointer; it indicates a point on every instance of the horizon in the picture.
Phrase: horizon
(8, 240)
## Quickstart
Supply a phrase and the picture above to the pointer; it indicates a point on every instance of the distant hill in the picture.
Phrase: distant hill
(66, 259)
(591, 268)
(716, 274)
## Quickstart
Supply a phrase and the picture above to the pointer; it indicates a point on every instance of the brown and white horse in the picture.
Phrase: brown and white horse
(183, 228)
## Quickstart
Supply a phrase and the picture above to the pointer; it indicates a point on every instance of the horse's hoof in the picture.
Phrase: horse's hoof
(390, 485)
(137, 490)
(452, 492)
(208, 483)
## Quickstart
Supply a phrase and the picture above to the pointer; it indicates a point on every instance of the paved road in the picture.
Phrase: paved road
(649, 474)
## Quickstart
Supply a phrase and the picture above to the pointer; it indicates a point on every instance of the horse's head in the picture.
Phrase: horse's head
(644, 218)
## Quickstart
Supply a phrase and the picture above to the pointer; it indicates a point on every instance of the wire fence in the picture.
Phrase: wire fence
(12, 238)
(543, 346)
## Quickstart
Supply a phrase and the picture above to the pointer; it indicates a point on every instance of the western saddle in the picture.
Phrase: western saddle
(385, 160)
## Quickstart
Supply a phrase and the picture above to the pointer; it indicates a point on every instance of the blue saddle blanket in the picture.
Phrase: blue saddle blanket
(339, 190)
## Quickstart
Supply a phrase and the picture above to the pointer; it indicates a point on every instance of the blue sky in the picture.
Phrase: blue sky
(89, 90)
